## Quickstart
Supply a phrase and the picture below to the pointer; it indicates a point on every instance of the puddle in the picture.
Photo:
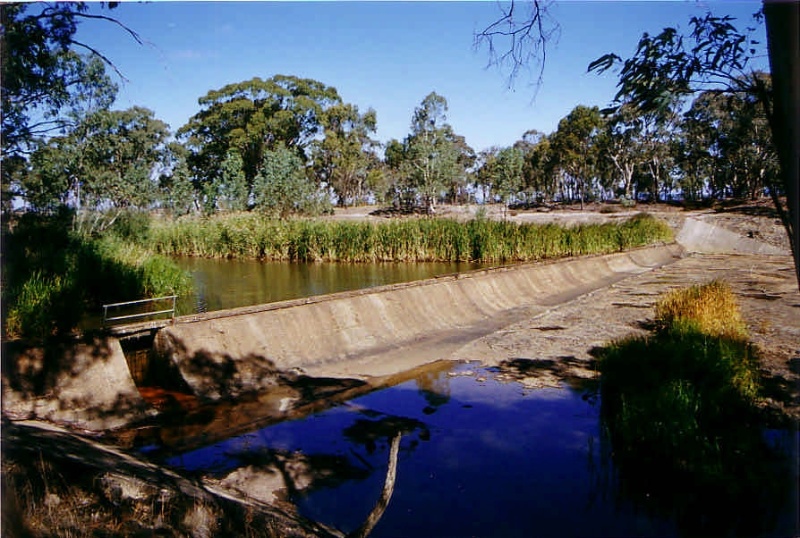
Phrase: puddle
(480, 455)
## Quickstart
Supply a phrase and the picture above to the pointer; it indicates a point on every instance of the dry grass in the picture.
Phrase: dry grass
(711, 309)
(47, 498)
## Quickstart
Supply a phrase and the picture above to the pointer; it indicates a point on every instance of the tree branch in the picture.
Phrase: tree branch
(527, 40)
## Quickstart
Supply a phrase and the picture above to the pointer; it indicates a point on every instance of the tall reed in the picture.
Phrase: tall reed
(250, 235)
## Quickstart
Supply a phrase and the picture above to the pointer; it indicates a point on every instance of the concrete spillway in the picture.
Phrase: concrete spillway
(379, 331)
(363, 334)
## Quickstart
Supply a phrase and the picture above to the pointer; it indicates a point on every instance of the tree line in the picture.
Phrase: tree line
(287, 145)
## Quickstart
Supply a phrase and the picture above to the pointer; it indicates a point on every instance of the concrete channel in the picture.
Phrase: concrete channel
(359, 335)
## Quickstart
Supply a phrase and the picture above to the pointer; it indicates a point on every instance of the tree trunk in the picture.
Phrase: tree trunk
(386, 494)
(783, 39)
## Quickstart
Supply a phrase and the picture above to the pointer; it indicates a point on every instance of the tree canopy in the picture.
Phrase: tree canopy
(252, 117)
(46, 82)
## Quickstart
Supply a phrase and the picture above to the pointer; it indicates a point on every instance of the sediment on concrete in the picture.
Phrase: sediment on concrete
(383, 330)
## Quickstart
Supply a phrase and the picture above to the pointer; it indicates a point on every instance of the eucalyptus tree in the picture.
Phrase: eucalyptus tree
(508, 170)
(253, 117)
(457, 186)
(574, 146)
(344, 158)
(121, 151)
(620, 149)
(282, 188)
(537, 171)
(399, 188)
(711, 56)
(47, 85)
(717, 56)
(177, 194)
(110, 160)
(727, 140)
(658, 157)
(432, 156)
(232, 190)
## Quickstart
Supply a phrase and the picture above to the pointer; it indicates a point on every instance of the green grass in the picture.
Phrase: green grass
(53, 275)
(680, 407)
(248, 235)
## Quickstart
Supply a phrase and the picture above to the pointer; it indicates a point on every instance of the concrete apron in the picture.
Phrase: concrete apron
(380, 331)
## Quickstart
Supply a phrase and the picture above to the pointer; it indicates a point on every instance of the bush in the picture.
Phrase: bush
(680, 407)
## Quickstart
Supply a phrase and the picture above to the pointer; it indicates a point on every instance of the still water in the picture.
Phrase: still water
(224, 283)
(483, 456)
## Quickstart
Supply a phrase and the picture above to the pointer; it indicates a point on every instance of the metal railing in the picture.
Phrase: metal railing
(139, 315)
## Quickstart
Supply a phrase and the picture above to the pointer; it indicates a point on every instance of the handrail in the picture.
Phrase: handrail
(171, 311)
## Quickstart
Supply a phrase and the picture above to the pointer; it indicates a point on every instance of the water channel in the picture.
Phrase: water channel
(230, 283)
(480, 453)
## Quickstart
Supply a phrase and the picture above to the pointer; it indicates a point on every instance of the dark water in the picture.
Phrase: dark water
(481, 457)
(221, 284)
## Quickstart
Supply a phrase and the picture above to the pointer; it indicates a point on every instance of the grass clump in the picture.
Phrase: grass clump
(251, 235)
(680, 406)
(710, 309)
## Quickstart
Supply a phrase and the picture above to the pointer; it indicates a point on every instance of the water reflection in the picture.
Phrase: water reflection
(479, 456)
(230, 283)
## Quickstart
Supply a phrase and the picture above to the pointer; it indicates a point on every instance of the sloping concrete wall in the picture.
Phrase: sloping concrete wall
(382, 330)
(87, 385)
(697, 235)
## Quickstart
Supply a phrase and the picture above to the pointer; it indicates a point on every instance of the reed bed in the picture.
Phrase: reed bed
(248, 235)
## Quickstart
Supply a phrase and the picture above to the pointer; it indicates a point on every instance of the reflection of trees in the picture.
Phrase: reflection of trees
(370, 432)
(435, 388)
(300, 471)
(739, 491)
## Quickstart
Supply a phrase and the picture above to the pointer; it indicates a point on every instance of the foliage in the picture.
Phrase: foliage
(432, 158)
(255, 236)
(344, 158)
(47, 86)
(253, 117)
(232, 187)
(281, 187)
(176, 191)
(508, 173)
(573, 144)
(107, 160)
(715, 56)
(680, 404)
(727, 139)
(53, 275)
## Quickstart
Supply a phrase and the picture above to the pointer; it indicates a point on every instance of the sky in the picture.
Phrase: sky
(383, 55)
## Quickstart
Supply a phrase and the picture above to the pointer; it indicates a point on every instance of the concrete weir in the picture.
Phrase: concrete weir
(379, 331)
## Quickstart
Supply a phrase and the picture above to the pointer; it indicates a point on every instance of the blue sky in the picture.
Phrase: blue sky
(384, 55)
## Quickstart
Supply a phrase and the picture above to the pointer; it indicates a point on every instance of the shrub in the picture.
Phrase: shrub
(53, 275)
